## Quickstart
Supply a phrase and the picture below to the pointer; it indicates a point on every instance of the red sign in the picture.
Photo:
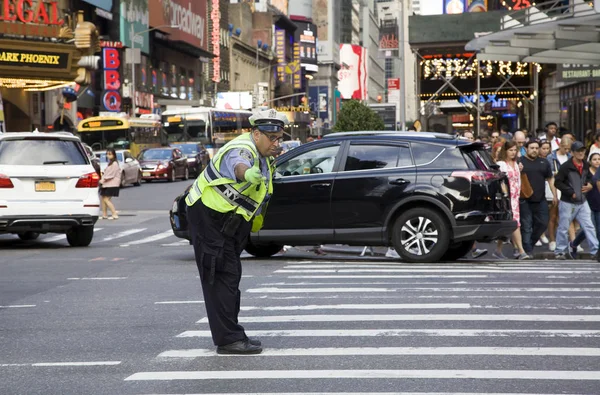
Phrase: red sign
(188, 15)
(30, 11)
(111, 79)
(215, 16)
(393, 84)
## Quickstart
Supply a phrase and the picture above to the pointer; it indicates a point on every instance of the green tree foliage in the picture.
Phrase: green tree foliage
(355, 116)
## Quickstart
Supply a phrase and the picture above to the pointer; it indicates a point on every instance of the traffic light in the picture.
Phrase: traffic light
(87, 42)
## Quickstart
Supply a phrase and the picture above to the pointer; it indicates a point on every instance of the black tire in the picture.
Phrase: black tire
(263, 250)
(123, 181)
(458, 250)
(29, 236)
(186, 175)
(80, 236)
(138, 182)
(409, 231)
(173, 176)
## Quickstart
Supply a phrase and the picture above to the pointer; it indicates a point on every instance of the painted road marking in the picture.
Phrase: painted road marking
(417, 289)
(17, 306)
(125, 233)
(369, 374)
(417, 317)
(418, 270)
(361, 307)
(150, 239)
(97, 278)
(180, 302)
(400, 351)
(59, 364)
(573, 333)
(63, 236)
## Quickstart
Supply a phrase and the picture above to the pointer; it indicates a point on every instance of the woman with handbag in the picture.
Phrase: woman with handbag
(509, 165)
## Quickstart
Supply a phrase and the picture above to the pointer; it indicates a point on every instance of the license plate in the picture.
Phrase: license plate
(45, 186)
(145, 174)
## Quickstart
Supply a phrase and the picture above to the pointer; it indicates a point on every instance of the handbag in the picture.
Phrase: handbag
(526, 189)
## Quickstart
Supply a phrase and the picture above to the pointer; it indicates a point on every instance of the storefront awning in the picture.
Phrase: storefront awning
(549, 32)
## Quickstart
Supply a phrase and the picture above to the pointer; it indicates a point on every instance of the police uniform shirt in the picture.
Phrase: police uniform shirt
(237, 156)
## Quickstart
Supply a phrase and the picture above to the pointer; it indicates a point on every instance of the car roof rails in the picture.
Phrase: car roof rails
(393, 133)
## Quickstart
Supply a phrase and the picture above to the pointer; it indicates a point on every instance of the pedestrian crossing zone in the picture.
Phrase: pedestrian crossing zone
(332, 327)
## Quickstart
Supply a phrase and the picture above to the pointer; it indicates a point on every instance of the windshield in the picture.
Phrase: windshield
(188, 149)
(36, 152)
(103, 159)
(156, 154)
(101, 140)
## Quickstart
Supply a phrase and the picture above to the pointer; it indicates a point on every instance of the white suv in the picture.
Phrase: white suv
(47, 185)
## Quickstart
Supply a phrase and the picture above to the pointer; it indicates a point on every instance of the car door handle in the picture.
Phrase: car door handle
(320, 186)
(399, 181)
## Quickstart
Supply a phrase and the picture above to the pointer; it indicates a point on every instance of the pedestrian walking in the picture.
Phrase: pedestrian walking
(574, 181)
(226, 202)
(534, 209)
(110, 184)
(593, 199)
(509, 165)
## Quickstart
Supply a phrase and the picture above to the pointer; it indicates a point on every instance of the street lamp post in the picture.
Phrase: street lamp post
(133, 36)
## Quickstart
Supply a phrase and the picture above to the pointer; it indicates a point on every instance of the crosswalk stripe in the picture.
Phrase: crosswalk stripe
(125, 233)
(415, 270)
(150, 239)
(179, 243)
(368, 374)
(366, 265)
(400, 351)
(414, 289)
(361, 307)
(573, 333)
(63, 236)
(417, 317)
(392, 276)
(364, 393)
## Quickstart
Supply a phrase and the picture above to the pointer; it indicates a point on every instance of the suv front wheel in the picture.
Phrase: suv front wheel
(80, 236)
(420, 235)
(262, 250)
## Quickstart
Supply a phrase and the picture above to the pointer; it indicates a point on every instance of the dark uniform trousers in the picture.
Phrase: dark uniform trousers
(220, 268)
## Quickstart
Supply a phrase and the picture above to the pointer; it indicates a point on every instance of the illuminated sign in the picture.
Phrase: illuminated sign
(30, 11)
(33, 58)
(101, 124)
(445, 68)
(216, 40)
(111, 79)
(280, 52)
(297, 76)
(516, 4)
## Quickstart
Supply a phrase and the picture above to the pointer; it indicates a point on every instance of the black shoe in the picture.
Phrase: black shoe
(239, 347)
(597, 256)
(254, 342)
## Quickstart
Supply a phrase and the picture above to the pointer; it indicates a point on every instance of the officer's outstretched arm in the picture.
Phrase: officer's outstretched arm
(240, 171)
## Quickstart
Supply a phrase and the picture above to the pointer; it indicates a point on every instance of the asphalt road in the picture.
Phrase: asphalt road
(125, 316)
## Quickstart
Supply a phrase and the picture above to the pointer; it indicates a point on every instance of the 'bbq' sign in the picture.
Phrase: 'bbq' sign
(111, 80)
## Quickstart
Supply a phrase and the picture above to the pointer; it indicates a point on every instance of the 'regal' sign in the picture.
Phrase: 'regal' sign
(30, 11)
(111, 79)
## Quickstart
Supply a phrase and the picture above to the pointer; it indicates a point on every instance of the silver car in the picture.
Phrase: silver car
(131, 171)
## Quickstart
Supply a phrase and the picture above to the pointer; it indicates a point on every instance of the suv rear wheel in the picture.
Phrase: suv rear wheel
(420, 235)
(457, 250)
(80, 236)
(28, 236)
(263, 250)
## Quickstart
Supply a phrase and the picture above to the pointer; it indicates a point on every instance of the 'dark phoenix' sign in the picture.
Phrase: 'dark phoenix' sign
(40, 59)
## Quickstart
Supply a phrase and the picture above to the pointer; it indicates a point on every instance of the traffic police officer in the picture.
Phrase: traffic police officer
(226, 202)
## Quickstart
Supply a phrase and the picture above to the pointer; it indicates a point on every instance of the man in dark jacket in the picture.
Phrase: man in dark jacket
(574, 181)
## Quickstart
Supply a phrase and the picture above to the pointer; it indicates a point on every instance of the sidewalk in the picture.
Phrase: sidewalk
(540, 253)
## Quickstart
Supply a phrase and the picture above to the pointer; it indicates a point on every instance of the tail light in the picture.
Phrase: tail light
(475, 175)
(89, 180)
(5, 182)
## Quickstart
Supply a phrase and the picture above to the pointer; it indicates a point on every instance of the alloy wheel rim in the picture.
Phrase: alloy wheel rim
(418, 236)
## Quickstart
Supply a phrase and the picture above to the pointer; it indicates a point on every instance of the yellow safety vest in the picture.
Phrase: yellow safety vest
(226, 195)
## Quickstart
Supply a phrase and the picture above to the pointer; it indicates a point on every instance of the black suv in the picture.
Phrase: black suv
(428, 195)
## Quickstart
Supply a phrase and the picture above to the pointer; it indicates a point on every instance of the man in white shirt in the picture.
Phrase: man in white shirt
(551, 135)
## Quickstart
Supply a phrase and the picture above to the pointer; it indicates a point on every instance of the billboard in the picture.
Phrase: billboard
(462, 6)
(306, 37)
(577, 72)
(301, 8)
(189, 15)
(135, 13)
(387, 113)
(234, 101)
(353, 74)
(280, 45)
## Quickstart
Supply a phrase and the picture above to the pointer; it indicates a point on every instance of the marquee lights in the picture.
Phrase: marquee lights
(434, 69)
(32, 84)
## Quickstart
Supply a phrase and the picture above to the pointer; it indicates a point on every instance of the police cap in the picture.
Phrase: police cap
(269, 121)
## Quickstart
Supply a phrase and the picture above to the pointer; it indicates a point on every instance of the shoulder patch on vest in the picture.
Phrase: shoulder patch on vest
(246, 154)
